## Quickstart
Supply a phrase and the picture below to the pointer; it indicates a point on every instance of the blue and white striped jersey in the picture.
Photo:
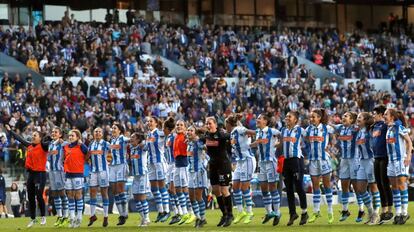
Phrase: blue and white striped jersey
(55, 155)
(169, 148)
(240, 143)
(155, 145)
(98, 151)
(195, 156)
(395, 142)
(292, 140)
(119, 150)
(139, 161)
(317, 140)
(363, 141)
(266, 139)
(347, 140)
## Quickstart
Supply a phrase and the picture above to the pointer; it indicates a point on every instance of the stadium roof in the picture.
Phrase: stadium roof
(94, 4)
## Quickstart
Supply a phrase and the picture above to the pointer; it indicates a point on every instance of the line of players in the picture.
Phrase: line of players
(175, 158)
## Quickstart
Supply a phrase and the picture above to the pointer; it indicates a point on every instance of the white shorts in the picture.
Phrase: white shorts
(74, 183)
(365, 170)
(319, 167)
(181, 177)
(397, 168)
(268, 171)
(198, 179)
(57, 180)
(170, 173)
(347, 169)
(244, 170)
(118, 173)
(156, 171)
(99, 179)
(140, 185)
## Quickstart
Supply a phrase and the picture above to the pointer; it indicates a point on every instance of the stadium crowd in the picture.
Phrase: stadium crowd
(112, 50)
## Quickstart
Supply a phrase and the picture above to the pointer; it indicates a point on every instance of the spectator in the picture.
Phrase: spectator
(3, 208)
(16, 200)
(32, 63)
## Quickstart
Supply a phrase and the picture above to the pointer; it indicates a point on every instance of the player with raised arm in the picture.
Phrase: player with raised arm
(245, 167)
(138, 160)
(317, 141)
(399, 149)
(267, 139)
(99, 150)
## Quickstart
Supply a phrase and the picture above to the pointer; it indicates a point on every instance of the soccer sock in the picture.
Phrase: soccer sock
(118, 204)
(105, 204)
(276, 201)
(404, 201)
(165, 199)
(183, 202)
(173, 204)
(65, 206)
(72, 207)
(202, 206)
(397, 201)
(238, 200)
(345, 201)
(158, 200)
(316, 200)
(267, 201)
(92, 203)
(124, 201)
(189, 207)
(145, 208)
(196, 208)
(360, 202)
(138, 206)
(248, 200)
(79, 208)
(366, 197)
(220, 202)
(58, 205)
(229, 205)
(377, 201)
(328, 195)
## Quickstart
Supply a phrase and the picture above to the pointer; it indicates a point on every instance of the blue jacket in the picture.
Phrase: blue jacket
(379, 146)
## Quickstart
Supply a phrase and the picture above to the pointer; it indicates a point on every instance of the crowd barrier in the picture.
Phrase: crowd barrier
(379, 84)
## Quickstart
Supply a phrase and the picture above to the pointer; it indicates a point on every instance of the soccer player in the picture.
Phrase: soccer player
(75, 154)
(181, 174)
(57, 177)
(292, 137)
(399, 149)
(365, 167)
(317, 141)
(266, 141)
(118, 170)
(245, 167)
(346, 136)
(168, 127)
(219, 168)
(138, 163)
(379, 147)
(99, 149)
(35, 164)
(157, 168)
(197, 175)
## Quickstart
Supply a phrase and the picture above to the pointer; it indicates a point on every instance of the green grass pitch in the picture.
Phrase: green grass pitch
(321, 225)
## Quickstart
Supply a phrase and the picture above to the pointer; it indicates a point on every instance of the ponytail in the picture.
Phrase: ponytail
(402, 118)
(398, 115)
(233, 119)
